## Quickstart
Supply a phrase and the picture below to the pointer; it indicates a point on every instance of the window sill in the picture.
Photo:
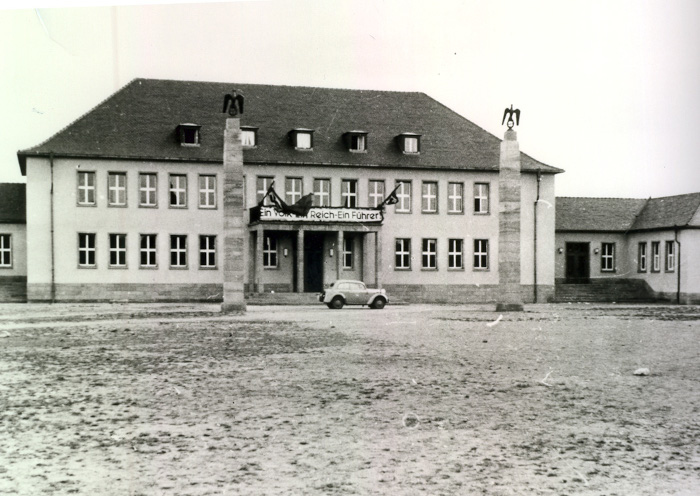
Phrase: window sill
(303, 149)
(209, 268)
(190, 145)
(179, 268)
(207, 208)
(86, 204)
(455, 213)
(403, 269)
(178, 207)
(117, 206)
(117, 267)
(428, 269)
(455, 269)
(429, 212)
(357, 151)
(148, 267)
(479, 269)
(149, 206)
(482, 213)
(89, 267)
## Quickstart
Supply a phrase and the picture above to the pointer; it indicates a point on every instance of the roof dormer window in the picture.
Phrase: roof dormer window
(188, 134)
(409, 143)
(303, 139)
(356, 141)
(249, 136)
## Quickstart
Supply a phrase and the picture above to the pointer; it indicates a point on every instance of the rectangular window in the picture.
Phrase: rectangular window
(455, 198)
(376, 193)
(481, 254)
(5, 250)
(347, 253)
(86, 188)
(655, 257)
(642, 258)
(348, 193)
(293, 189)
(670, 256)
(148, 250)
(404, 196)
(481, 198)
(322, 192)
(455, 249)
(178, 251)
(270, 252)
(86, 250)
(207, 191)
(148, 190)
(304, 141)
(358, 142)
(410, 144)
(403, 253)
(207, 252)
(248, 137)
(429, 197)
(117, 250)
(607, 257)
(429, 253)
(116, 184)
(178, 190)
(262, 184)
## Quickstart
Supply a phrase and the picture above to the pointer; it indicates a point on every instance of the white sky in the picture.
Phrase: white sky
(609, 90)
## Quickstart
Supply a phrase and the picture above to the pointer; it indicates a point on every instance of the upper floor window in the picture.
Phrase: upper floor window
(670, 256)
(86, 188)
(455, 198)
(409, 143)
(116, 189)
(293, 189)
(148, 190)
(86, 250)
(607, 257)
(376, 192)
(481, 198)
(481, 254)
(404, 196)
(356, 141)
(207, 191)
(188, 134)
(429, 197)
(178, 190)
(322, 192)
(262, 184)
(249, 136)
(303, 139)
(642, 257)
(655, 257)
(348, 193)
(5, 250)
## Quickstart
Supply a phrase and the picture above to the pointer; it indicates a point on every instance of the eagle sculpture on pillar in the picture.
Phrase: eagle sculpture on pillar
(233, 103)
(510, 112)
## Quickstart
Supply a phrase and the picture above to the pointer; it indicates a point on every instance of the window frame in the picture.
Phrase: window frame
(412, 138)
(87, 250)
(642, 258)
(481, 254)
(655, 256)
(296, 133)
(6, 250)
(270, 252)
(452, 254)
(118, 251)
(176, 190)
(179, 251)
(87, 189)
(425, 195)
(147, 189)
(260, 193)
(290, 196)
(478, 197)
(208, 251)
(432, 255)
(401, 195)
(319, 194)
(250, 131)
(451, 197)
(184, 131)
(403, 251)
(356, 141)
(148, 250)
(116, 188)
(374, 198)
(348, 253)
(203, 189)
(670, 256)
(607, 256)
(349, 195)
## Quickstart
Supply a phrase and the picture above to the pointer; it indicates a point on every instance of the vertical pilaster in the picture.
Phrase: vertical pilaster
(378, 259)
(259, 238)
(340, 246)
(300, 261)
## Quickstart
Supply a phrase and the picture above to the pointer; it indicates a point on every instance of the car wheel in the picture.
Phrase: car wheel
(379, 303)
(337, 303)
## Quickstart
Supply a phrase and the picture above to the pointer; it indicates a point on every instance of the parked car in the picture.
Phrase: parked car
(346, 292)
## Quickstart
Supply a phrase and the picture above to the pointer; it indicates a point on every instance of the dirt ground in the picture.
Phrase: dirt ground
(177, 399)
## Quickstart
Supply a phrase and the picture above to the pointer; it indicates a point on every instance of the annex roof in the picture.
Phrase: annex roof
(666, 212)
(139, 122)
(13, 203)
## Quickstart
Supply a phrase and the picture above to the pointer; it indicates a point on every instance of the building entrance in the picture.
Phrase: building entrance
(577, 263)
(313, 262)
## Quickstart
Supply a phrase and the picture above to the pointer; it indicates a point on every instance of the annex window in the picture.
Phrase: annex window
(207, 191)
(429, 197)
(348, 257)
(348, 193)
(117, 250)
(404, 196)
(455, 198)
(116, 189)
(270, 252)
(188, 134)
(303, 139)
(207, 251)
(178, 190)
(402, 253)
(481, 198)
(376, 193)
(607, 257)
(670, 256)
(655, 257)
(86, 250)
(86, 188)
(455, 250)
(178, 251)
(148, 189)
(262, 184)
(429, 253)
(5, 250)
(642, 257)
(481, 254)
(293, 189)
(249, 137)
(409, 143)
(322, 192)
(356, 141)
(148, 250)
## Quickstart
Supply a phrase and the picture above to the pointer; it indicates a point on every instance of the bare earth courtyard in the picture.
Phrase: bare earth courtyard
(177, 399)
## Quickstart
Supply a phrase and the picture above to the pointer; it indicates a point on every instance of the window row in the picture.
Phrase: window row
(669, 256)
(377, 191)
(148, 190)
(429, 254)
(148, 251)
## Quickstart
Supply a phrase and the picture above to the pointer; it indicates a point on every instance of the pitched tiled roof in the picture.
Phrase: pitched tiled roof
(669, 211)
(596, 214)
(13, 200)
(139, 121)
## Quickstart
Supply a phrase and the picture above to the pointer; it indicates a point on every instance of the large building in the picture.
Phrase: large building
(126, 203)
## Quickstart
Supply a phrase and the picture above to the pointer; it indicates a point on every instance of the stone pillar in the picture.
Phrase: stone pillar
(378, 259)
(259, 239)
(340, 247)
(300, 261)
(234, 233)
(510, 297)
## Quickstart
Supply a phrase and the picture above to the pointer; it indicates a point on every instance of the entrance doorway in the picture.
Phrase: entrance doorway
(578, 270)
(313, 262)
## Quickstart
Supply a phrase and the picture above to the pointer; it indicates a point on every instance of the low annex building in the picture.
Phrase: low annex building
(126, 203)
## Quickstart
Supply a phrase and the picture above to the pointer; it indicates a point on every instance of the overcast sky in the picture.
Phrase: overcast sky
(609, 90)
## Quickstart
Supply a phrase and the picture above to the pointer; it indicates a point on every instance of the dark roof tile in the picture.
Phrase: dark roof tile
(13, 203)
(596, 214)
(669, 211)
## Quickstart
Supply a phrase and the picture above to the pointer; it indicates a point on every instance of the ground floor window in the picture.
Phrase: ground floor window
(481, 254)
(655, 257)
(670, 256)
(117, 250)
(429, 258)
(642, 257)
(270, 252)
(86, 250)
(607, 257)
(178, 251)
(348, 257)
(207, 251)
(5, 250)
(403, 253)
(148, 250)
(454, 254)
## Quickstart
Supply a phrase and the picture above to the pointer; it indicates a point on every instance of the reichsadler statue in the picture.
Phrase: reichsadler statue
(233, 103)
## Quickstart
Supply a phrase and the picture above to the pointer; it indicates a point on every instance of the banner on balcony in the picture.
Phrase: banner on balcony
(323, 214)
